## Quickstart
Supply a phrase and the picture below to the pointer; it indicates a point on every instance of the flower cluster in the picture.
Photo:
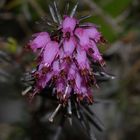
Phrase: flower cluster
(64, 59)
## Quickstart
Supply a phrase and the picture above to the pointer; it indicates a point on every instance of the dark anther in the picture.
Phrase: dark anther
(67, 35)
(45, 70)
(91, 51)
(55, 38)
(102, 40)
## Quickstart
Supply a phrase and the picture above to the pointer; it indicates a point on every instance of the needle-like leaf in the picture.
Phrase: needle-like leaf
(84, 17)
(57, 12)
(53, 14)
(74, 10)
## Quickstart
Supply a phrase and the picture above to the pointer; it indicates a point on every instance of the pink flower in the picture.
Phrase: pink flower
(56, 67)
(96, 54)
(72, 72)
(81, 58)
(68, 26)
(69, 46)
(50, 52)
(65, 62)
(78, 82)
(92, 33)
(44, 80)
(40, 41)
(83, 37)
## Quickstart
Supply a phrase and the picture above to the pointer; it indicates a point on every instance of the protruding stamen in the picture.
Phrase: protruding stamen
(70, 120)
(77, 111)
(107, 76)
(69, 108)
(31, 95)
(66, 91)
(54, 113)
(26, 90)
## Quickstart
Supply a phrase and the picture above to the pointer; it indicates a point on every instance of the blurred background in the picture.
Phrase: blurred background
(119, 99)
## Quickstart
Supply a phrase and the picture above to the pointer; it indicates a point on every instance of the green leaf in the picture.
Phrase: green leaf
(115, 7)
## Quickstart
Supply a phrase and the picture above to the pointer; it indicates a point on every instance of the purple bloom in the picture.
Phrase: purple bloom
(65, 62)
(68, 26)
(96, 54)
(40, 40)
(69, 46)
(83, 37)
(71, 74)
(56, 68)
(44, 80)
(93, 33)
(50, 52)
(81, 58)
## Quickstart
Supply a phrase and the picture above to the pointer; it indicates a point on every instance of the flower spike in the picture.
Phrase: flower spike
(65, 57)
(69, 56)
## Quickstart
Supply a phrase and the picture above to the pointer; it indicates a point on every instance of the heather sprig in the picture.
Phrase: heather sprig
(65, 61)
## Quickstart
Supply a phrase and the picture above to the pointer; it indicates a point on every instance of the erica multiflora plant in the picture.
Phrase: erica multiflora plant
(66, 56)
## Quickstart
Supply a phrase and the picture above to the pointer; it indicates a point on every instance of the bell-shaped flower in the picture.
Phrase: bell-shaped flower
(56, 68)
(96, 54)
(83, 37)
(68, 26)
(60, 87)
(78, 82)
(81, 58)
(72, 73)
(93, 33)
(50, 52)
(40, 41)
(69, 46)
(42, 82)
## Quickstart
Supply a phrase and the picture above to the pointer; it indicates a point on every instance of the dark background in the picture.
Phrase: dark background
(119, 99)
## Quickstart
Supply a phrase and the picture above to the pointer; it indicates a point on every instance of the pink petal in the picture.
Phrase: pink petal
(83, 38)
(78, 81)
(50, 52)
(60, 86)
(64, 66)
(40, 41)
(68, 25)
(69, 46)
(42, 82)
(67, 93)
(61, 55)
(93, 33)
(81, 58)
(72, 72)
(96, 54)
(84, 90)
(56, 67)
